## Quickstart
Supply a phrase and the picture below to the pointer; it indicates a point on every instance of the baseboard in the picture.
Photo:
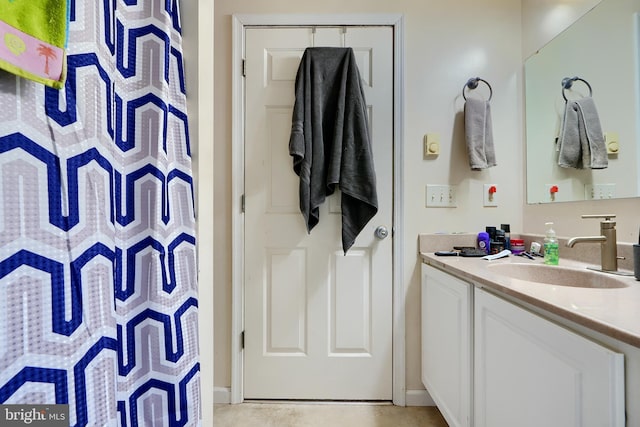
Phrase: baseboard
(221, 395)
(419, 398)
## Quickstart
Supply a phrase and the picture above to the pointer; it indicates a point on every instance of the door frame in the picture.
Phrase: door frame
(239, 23)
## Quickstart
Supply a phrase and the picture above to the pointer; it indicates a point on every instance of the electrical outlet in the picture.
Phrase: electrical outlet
(490, 197)
(440, 196)
(551, 191)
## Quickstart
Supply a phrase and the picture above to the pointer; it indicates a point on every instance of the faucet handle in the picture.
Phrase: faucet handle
(607, 217)
(607, 224)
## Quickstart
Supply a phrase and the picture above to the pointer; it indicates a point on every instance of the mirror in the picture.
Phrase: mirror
(601, 48)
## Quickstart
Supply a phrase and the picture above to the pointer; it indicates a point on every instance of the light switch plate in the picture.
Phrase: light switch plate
(440, 196)
(431, 145)
(599, 191)
(612, 142)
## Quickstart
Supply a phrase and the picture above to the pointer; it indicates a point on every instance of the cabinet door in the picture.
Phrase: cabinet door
(530, 372)
(446, 344)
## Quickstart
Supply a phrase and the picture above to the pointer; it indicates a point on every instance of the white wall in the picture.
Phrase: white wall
(446, 43)
(542, 20)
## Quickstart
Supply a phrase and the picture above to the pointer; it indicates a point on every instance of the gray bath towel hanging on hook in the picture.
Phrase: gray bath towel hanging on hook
(330, 142)
(478, 128)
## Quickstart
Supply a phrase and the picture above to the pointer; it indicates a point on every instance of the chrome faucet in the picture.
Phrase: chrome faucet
(607, 239)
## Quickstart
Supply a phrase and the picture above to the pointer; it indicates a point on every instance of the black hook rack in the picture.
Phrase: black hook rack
(472, 84)
(567, 83)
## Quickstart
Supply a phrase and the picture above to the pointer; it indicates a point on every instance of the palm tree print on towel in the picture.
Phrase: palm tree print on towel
(48, 54)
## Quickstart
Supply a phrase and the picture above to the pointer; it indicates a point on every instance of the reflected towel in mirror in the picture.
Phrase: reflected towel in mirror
(479, 134)
(581, 143)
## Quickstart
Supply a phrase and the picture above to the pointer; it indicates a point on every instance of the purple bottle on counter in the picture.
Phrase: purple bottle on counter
(483, 241)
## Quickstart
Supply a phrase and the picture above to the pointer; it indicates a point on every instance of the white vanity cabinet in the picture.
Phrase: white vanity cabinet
(488, 362)
(446, 343)
(530, 372)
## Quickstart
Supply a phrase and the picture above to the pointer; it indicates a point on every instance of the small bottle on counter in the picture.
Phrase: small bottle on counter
(507, 235)
(483, 241)
(535, 248)
(497, 244)
(517, 246)
(491, 231)
(551, 249)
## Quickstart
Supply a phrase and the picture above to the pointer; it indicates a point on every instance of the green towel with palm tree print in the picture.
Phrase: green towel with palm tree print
(33, 37)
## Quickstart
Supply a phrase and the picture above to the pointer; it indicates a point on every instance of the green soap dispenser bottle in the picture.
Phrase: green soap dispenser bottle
(551, 251)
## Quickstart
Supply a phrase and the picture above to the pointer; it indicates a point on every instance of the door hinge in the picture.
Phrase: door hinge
(242, 205)
(242, 340)
(244, 68)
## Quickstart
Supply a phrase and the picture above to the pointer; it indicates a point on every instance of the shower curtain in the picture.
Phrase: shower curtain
(98, 292)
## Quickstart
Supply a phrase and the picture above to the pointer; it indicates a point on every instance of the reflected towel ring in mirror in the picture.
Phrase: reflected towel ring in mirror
(472, 83)
(567, 82)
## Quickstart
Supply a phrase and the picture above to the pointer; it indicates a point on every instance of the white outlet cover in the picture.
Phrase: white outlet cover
(549, 196)
(490, 200)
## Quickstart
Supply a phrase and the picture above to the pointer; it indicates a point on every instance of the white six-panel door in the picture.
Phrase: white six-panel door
(318, 324)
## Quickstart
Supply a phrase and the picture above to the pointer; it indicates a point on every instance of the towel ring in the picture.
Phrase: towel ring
(472, 83)
(567, 82)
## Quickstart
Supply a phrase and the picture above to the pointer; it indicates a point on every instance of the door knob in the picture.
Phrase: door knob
(382, 232)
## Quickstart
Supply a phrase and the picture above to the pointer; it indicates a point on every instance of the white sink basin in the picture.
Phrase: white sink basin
(559, 276)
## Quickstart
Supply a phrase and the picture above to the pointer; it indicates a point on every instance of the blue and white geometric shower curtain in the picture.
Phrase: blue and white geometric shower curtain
(98, 292)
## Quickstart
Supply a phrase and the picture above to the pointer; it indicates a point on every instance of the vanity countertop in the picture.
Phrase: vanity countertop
(613, 312)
